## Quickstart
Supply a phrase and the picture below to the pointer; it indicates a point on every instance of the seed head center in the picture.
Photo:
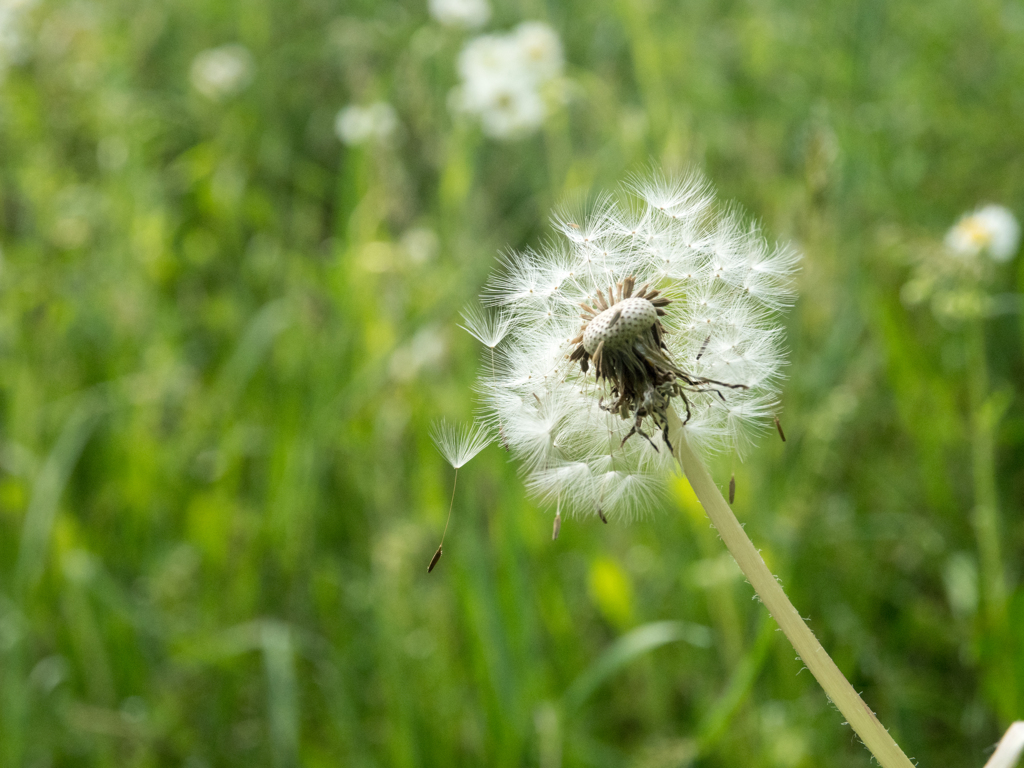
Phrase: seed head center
(619, 325)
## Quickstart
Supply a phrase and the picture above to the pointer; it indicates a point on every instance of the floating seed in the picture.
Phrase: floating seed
(434, 559)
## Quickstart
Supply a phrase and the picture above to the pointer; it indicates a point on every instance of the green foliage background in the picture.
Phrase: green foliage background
(218, 365)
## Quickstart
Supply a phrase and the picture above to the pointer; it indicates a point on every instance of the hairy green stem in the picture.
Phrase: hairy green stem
(837, 687)
(1010, 749)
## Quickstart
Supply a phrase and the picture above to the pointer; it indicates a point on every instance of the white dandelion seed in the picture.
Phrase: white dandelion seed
(458, 445)
(487, 328)
(670, 304)
(991, 229)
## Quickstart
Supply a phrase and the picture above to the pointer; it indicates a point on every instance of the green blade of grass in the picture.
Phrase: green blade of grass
(628, 648)
(47, 489)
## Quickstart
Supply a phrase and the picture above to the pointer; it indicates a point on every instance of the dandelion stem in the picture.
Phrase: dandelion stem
(1009, 750)
(837, 688)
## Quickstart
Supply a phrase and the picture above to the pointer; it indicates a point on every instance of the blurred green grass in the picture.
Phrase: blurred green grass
(219, 362)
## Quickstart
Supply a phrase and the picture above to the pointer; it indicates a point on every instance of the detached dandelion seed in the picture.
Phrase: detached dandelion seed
(458, 446)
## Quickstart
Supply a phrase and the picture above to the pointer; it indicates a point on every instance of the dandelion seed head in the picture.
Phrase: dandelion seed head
(668, 302)
(617, 326)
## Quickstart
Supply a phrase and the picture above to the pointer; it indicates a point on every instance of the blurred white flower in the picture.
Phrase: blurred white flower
(514, 110)
(420, 244)
(541, 50)
(221, 72)
(681, 307)
(506, 79)
(357, 125)
(12, 38)
(468, 14)
(992, 229)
